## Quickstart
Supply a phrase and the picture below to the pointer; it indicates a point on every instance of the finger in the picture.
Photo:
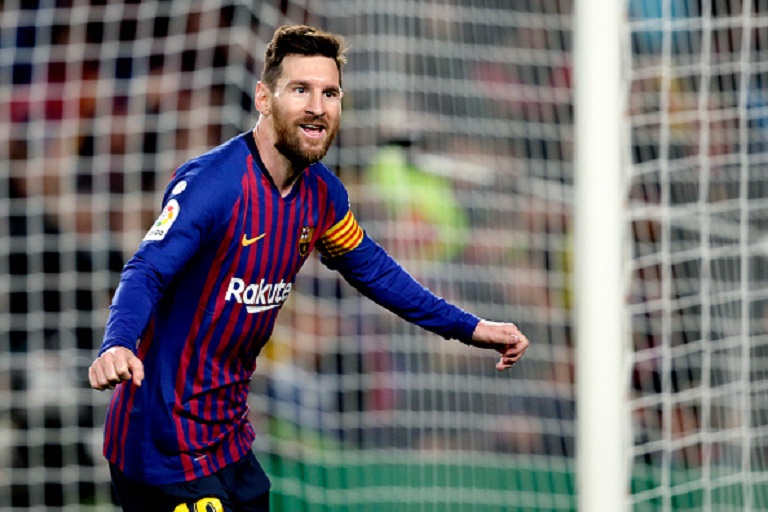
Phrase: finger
(137, 369)
(513, 350)
(92, 378)
(511, 354)
(521, 344)
(97, 376)
(506, 362)
(503, 364)
(108, 363)
(122, 369)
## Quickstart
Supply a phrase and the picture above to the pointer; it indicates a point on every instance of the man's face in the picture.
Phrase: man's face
(306, 108)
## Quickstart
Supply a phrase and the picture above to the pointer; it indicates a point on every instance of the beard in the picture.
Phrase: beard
(298, 150)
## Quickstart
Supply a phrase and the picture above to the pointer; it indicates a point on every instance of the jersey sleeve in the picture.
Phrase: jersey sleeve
(346, 248)
(193, 209)
(344, 233)
(375, 274)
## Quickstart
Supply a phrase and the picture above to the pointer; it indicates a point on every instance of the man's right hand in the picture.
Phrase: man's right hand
(114, 366)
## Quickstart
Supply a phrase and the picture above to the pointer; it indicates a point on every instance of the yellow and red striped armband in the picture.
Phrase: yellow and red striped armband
(342, 237)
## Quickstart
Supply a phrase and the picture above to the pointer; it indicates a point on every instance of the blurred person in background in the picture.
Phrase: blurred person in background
(54, 310)
(53, 302)
(202, 293)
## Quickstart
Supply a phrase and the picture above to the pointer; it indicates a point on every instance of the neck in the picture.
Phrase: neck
(283, 172)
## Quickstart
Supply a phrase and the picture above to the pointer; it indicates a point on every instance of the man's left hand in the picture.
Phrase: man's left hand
(505, 338)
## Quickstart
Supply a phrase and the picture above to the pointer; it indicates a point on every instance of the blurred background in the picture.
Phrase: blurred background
(457, 149)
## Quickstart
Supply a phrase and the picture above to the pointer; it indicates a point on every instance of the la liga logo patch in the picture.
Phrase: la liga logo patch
(164, 222)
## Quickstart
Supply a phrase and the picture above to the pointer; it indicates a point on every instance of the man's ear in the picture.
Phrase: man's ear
(261, 99)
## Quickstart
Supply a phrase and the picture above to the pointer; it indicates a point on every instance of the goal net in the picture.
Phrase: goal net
(456, 147)
(698, 92)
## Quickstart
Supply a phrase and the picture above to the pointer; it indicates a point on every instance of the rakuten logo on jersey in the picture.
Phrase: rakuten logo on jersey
(260, 296)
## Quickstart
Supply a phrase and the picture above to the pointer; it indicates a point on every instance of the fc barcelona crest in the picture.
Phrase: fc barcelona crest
(305, 240)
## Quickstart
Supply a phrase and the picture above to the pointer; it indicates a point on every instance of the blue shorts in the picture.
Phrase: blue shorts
(239, 487)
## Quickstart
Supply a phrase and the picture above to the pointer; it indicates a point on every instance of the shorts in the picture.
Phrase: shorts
(239, 487)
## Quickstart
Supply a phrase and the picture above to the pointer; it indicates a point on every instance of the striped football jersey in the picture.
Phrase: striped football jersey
(199, 298)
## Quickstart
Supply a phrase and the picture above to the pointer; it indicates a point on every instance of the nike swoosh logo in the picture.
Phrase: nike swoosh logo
(248, 241)
(259, 309)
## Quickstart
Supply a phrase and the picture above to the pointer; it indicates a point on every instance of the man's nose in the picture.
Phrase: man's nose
(315, 105)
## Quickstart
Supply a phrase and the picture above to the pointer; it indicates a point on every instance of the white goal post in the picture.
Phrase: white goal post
(600, 257)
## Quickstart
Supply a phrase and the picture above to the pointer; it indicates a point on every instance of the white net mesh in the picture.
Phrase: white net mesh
(698, 84)
(456, 146)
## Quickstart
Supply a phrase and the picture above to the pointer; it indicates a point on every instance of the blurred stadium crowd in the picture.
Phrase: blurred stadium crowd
(460, 165)
(101, 101)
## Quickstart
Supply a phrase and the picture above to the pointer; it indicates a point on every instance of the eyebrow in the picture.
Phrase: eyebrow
(305, 83)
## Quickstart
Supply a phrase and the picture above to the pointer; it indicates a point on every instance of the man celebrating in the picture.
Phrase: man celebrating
(202, 292)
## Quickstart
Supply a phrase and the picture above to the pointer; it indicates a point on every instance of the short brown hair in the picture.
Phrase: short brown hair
(300, 40)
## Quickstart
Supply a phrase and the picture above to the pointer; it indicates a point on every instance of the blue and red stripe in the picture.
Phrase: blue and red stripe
(206, 348)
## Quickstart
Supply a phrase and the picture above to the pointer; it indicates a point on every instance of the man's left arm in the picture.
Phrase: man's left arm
(375, 274)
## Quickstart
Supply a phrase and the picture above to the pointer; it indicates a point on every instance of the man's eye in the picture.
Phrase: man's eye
(331, 94)
(300, 90)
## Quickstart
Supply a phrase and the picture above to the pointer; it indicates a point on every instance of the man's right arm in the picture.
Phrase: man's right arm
(141, 286)
(190, 213)
(137, 294)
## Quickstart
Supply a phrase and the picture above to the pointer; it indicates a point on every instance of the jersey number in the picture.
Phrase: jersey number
(203, 505)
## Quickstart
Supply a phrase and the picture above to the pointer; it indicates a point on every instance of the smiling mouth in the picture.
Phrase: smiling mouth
(313, 130)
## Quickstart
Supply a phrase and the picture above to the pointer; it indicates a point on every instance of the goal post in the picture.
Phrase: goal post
(600, 259)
